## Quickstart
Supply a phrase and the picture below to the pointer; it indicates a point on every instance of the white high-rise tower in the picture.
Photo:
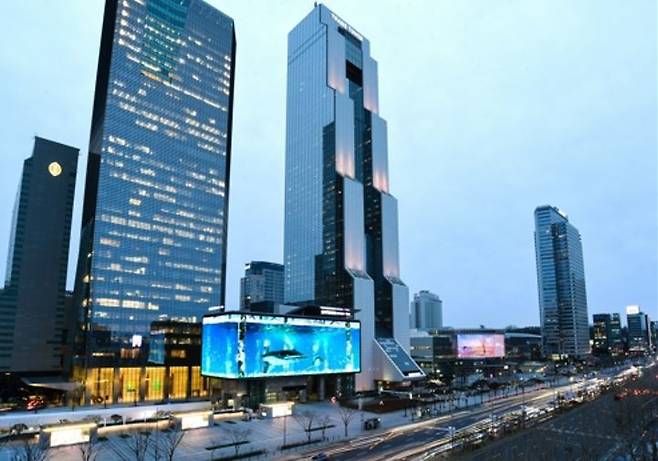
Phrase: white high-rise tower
(341, 222)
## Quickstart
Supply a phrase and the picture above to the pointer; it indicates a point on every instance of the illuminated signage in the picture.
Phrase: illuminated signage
(346, 26)
(632, 310)
(249, 345)
(480, 345)
(55, 169)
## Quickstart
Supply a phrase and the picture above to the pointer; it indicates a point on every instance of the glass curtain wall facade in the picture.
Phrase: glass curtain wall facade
(341, 243)
(561, 285)
(607, 334)
(639, 337)
(262, 283)
(154, 225)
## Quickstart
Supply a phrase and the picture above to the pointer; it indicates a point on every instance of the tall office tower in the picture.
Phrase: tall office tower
(561, 284)
(341, 229)
(426, 311)
(639, 331)
(607, 334)
(262, 283)
(154, 224)
(32, 303)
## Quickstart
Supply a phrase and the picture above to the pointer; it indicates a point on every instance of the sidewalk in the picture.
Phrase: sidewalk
(49, 416)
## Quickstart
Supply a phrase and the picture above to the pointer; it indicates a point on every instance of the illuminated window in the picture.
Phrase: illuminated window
(154, 383)
(177, 382)
(178, 353)
(129, 384)
(100, 384)
(198, 383)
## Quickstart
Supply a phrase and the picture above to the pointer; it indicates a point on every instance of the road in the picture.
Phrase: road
(601, 430)
(406, 441)
(563, 435)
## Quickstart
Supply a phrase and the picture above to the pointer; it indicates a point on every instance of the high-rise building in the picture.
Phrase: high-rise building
(639, 332)
(262, 283)
(607, 334)
(561, 284)
(426, 311)
(153, 243)
(615, 335)
(32, 303)
(341, 223)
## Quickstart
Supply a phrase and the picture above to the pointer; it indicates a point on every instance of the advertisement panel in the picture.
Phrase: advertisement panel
(241, 345)
(480, 346)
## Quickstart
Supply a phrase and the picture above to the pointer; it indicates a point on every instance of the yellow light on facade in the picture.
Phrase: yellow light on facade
(55, 169)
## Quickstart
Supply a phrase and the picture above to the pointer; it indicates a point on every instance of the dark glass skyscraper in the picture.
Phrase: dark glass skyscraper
(32, 303)
(156, 202)
(607, 334)
(561, 284)
(341, 221)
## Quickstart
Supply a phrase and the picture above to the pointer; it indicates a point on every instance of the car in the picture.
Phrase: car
(321, 457)
(35, 403)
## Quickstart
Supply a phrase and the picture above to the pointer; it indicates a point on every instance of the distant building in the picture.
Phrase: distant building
(426, 311)
(520, 346)
(639, 334)
(456, 355)
(33, 302)
(561, 285)
(262, 283)
(607, 334)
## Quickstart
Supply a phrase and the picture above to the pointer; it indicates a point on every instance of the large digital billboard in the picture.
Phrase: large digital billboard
(251, 345)
(480, 346)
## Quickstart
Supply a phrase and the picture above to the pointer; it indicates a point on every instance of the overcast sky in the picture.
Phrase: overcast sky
(493, 108)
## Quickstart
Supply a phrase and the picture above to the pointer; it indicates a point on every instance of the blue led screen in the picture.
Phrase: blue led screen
(257, 345)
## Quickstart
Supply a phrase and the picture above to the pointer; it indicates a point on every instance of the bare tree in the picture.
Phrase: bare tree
(325, 421)
(172, 438)
(137, 444)
(31, 450)
(346, 415)
(238, 437)
(305, 420)
(89, 451)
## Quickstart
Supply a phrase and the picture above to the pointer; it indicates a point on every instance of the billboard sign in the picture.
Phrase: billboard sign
(480, 345)
(254, 345)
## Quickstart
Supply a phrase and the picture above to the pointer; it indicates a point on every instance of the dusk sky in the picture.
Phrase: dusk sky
(493, 108)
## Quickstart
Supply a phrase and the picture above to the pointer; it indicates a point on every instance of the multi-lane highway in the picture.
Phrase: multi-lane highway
(432, 438)
(415, 439)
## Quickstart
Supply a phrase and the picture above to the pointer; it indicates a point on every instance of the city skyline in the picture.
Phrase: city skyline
(446, 262)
